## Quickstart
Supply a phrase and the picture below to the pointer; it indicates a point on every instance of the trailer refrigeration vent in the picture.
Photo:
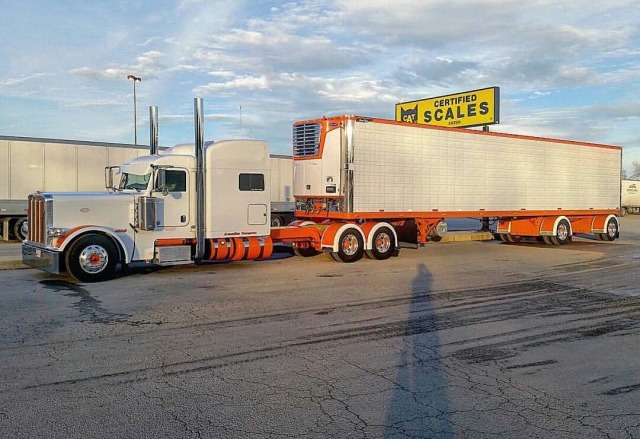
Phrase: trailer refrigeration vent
(306, 140)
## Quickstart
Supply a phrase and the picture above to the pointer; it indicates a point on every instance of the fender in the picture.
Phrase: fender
(64, 241)
(601, 227)
(331, 236)
(554, 230)
(370, 228)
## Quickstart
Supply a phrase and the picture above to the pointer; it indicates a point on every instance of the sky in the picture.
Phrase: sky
(568, 69)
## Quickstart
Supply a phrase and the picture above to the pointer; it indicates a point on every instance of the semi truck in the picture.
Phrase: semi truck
(630, 197)
(360, 184)
(28, 164)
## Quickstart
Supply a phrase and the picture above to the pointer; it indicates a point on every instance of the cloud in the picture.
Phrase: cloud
(21, 80)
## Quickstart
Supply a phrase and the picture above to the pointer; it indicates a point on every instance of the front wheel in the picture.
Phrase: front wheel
(92, 258)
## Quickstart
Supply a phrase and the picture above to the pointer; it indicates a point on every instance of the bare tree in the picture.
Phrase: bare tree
(635, 170)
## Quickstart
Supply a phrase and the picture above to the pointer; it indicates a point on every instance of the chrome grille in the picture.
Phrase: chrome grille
(39, 217)
(306, 139)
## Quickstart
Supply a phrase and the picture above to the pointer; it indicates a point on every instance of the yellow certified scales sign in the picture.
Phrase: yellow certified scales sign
(466, 109)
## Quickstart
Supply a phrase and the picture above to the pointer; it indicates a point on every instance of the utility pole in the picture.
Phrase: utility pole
(135, 112)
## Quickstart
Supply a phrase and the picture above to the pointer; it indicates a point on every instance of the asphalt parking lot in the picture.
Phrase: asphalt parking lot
(457, 340)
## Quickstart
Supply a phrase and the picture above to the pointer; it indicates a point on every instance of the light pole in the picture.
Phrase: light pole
(135, 112)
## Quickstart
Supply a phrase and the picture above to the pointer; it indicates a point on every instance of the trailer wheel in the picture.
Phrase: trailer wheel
(18, 231)
(305, 252)
(383, 244)
(612, 230)
(350, 246)
(276, 221)
(92, 258)
(563, 232)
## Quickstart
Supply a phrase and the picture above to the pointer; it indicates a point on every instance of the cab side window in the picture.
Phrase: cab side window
(251, 182)
(176, 181)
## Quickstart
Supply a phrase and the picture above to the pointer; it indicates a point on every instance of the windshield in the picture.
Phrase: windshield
(134, 181)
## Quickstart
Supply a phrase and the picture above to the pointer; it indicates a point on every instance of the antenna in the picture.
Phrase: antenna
(241, 133)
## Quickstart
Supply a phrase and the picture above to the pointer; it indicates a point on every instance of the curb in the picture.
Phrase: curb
(12, 265)
(467, 236)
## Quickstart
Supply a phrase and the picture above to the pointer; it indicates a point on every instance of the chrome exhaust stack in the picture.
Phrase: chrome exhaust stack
(200, 196)
(153, 130)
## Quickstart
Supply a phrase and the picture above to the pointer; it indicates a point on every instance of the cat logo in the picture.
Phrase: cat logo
(632, 189)
(409, 114)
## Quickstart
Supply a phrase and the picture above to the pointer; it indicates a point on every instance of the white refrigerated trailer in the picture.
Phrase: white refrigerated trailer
(373, 172)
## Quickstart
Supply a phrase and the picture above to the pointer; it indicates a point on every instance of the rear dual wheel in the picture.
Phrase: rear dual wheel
(350, 246)
(611, 233)
(383, 244)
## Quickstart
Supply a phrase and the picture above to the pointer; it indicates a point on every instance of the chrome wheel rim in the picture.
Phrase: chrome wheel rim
(383, 242)
(93, 259)
(350, 245)
(563, 232)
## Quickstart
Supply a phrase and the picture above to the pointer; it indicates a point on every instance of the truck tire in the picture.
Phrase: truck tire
(350, 246)
(563, 232)
(18, 233)
(277, 221)
(383, 244)
(92, 258)
(305, 252)
(612, 230)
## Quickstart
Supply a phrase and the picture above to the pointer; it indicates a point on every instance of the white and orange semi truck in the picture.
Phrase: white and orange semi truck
(358, 182)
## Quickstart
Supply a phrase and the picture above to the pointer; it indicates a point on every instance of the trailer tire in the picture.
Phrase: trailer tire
(277, 221)
(92, 258)
(563, 232)
(350, 246)
(18, 233)
(383, 244)
(305, 252)
(612, 230)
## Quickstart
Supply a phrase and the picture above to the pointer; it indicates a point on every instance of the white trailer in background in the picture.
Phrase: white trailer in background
(630, 197)
(53, 165)
(282, 202)
(30, 164)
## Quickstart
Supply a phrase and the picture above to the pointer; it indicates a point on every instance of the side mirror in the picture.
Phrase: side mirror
(161, 182)
(108, 176)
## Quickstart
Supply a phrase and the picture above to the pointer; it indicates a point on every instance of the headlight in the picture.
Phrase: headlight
(55, 232)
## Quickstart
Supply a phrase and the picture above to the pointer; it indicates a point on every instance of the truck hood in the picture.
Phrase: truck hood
(109, 209)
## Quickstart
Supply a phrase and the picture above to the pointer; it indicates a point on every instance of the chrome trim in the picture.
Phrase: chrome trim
(153, 130)
(200, 195)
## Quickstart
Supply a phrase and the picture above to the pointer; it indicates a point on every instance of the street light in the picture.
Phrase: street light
(135, 113)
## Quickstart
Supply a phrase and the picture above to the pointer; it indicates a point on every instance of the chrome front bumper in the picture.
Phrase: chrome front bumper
(41, 258)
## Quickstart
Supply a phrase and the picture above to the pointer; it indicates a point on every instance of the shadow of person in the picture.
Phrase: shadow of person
(419, 406)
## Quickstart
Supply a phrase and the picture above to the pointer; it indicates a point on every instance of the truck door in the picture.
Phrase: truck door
(173, 209)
